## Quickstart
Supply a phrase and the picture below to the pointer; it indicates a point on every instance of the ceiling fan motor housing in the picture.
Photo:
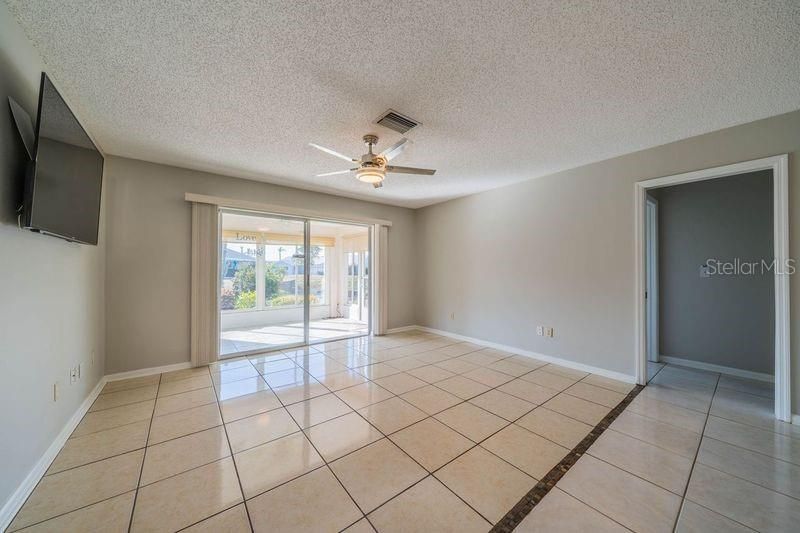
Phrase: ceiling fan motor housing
(372, 160)
(369, 159)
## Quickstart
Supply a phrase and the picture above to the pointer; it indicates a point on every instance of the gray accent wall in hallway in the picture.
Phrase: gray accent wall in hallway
(722, 319)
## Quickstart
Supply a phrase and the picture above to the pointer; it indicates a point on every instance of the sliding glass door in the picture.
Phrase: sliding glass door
(333, 315)
(275, 295)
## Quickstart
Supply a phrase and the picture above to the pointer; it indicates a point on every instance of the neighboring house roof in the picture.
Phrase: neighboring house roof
(286, 263)
(233, 255)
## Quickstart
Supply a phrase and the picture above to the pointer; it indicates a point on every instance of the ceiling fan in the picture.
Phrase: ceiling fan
(372, 168)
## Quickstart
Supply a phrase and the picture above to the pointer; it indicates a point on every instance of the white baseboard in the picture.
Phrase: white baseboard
(402, 329)
(542, 357)
(717, 368)
(12, 506)
(14, 503)
(148, 371)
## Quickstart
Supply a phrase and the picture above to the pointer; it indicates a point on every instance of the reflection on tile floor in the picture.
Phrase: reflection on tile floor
(416, 432)
(270, 337)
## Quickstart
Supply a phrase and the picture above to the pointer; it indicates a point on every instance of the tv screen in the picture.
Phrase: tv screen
(63, 185)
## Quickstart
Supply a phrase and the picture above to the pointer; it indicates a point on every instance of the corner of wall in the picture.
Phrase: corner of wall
(53, 305)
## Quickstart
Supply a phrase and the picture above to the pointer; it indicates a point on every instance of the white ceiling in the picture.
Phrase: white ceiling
(506, 90)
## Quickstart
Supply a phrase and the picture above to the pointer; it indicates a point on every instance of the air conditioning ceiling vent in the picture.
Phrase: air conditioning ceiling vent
(397, 122)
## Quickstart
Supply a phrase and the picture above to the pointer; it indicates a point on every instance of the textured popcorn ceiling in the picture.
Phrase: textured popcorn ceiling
(506, 91)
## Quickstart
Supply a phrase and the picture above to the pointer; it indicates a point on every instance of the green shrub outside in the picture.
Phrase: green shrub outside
(245, 300)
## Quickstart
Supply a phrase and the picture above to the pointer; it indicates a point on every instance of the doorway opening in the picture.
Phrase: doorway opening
(719, 281)
(289, 281)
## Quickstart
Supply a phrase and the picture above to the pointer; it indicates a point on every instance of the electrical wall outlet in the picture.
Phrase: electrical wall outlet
(73, 374)
(549, 332)
(540, 330)
(452, 315)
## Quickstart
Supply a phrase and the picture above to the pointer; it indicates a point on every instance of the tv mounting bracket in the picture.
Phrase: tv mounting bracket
(24, 125)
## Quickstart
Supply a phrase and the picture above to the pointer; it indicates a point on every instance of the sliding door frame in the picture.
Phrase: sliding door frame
(369, 283)
(306, 260)
(306, 280)
(306, 220)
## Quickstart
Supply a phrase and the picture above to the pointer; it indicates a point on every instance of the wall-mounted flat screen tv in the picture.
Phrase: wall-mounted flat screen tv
(63, 182)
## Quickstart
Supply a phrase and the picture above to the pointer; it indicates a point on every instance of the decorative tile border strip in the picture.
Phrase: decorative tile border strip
(513, 518)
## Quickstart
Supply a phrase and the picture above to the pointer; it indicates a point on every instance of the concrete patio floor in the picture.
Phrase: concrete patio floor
(269, 337)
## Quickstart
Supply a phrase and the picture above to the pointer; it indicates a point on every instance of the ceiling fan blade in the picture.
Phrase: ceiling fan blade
(394, 150)
(336, 172)
(332, 152)
(410, 170)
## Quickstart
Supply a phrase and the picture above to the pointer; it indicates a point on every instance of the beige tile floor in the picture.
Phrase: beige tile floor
(694, 452)
(410, 430)
(415, 432)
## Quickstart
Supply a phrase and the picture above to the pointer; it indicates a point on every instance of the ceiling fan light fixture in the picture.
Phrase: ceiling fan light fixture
(372, 168)
(370, 175)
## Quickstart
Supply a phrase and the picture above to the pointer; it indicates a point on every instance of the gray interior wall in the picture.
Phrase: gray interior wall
(149, 252)
(51, 310)
(559, 250)
(726, 320)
